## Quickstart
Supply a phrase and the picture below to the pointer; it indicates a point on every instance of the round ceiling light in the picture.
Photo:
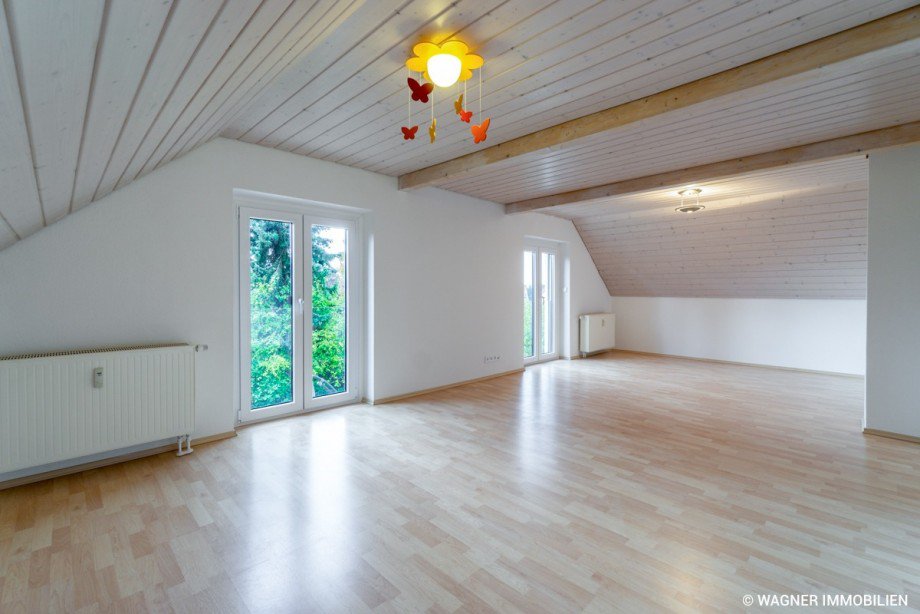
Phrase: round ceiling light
(690, 193)
(444, 69)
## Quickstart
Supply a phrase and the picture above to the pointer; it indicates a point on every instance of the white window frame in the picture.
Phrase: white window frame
(541, 246)
(297, 335)
(303, 214)
(353, 350)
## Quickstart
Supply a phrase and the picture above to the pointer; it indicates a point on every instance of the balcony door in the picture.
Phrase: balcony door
(298, 313)
(541, 304)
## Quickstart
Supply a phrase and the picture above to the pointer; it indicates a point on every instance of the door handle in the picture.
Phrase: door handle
(300, 305)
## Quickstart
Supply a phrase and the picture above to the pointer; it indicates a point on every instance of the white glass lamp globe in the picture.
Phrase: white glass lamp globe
(444, 69)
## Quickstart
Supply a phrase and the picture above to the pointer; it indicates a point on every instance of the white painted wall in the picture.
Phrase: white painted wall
(820, 335)
(154, 261)
(892, 382)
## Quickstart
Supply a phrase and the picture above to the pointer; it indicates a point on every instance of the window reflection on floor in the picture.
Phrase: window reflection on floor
(329, 488)
(307, 539)
(536, 423)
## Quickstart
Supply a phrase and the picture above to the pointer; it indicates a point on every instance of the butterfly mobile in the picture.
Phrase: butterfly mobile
(439, 66)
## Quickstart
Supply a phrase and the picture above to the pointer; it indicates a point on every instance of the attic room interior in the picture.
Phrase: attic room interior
(459, 305)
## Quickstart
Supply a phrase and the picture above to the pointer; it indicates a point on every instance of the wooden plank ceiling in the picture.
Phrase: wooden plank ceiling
(860, 95)
(96, 93)
(794, 232)
(125, 86)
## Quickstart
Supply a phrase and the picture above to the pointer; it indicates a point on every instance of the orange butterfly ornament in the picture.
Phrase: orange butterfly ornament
(458, 108)
(479, 132)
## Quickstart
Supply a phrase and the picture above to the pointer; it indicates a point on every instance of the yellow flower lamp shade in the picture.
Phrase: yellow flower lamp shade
(444, 64)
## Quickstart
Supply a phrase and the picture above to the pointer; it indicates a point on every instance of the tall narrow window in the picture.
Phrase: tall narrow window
(530, 262)
(271, 312)
(540, 302)
(329, 310)
(547, 301)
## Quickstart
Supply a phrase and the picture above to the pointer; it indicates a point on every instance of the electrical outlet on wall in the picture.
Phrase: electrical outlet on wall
(487, 359)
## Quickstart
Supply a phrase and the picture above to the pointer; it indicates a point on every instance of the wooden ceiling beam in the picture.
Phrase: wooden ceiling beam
(870, 37)
(813, 152)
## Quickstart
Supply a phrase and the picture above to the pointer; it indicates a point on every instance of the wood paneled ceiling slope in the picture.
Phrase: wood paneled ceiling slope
(796, 231)
(96, 93)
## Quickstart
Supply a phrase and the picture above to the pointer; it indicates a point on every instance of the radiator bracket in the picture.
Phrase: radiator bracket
(185, 445)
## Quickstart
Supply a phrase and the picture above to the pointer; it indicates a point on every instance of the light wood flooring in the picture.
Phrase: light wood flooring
(621, 483)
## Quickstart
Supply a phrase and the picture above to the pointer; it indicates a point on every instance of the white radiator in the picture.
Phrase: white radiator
(59, 407)
(597, 332)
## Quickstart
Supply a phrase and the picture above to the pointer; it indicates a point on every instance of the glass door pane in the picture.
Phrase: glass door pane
(547, 302)
(329, 248)
(271, 313)
(530, 262)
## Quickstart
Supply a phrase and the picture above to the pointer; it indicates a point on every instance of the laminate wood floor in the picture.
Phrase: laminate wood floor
(621, 483)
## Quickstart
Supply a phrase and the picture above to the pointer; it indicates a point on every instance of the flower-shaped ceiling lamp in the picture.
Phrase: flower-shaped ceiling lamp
(444, 64)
